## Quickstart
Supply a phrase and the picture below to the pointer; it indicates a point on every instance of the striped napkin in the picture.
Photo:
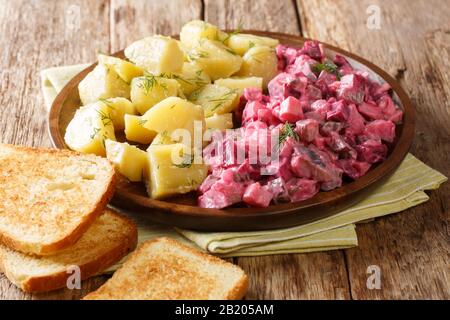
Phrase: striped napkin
(404, 189)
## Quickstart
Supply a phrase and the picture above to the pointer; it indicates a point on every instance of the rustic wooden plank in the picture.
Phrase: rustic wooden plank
(267, 15)
(320, 276)
(133, 20)
(297, 276)
(411, 248)
(36, 35)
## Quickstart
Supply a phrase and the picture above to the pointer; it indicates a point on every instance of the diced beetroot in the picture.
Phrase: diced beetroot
(311, 163)
(279, 86)
(318, 116)
(313, 92)
(307, 129)
(331, 126)
(355, 121)
(208, 183)
(301, 189)
(370, 111)
(313, 49)
(303, 66)
(222, 195)
(287, 54)
(266, 116)
(253, 94)
(320, 142)
(372, 151)
(251, 110)
(277, 188)
(290, 110)
(351, 88)
(396, 117)
(339, 145)
(353, 168)
(377, 90)
(338, 111)
(324, 80)
(389, 109)
(381, 129)
(344, 66)
(256, 195)
(322, 106)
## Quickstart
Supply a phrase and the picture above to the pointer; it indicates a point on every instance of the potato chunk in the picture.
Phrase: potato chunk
(260, 61)
(220, 121)
(215, 99)
(216, 59)
(156, 54)
(135, 131)
(148, 90)
(102, 83)
(126, 70)
(127, 159)
(170, 177)
(174, 113)
(194, 30)
(242, 42)
(191, 78)
(118, 108)
(240, 83)
(89, 129)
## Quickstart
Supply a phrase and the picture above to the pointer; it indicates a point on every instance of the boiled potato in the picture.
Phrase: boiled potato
(216, 59)
(193, 31)
(174, 113)
(241, 42)
(102, 83)
(148, 90)
(156, 54)
(134, 130)
(118, 108)
(89, 129)
(128, 160)
(220, 121)
(240, 83)
(260, 61)
(162, 138)
(167, 176)
(215, 99)
(191, 78)
(126, 70)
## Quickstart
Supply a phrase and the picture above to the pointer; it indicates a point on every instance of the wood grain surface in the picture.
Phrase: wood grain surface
(412, 44)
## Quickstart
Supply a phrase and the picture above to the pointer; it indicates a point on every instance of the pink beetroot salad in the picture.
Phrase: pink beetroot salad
(333, 123)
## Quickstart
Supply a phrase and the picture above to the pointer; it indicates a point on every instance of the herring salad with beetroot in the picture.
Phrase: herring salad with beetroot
(332, 122)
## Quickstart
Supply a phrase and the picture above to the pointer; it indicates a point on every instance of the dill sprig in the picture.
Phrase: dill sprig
(234, 32)
(104, 117)
(196, 54)
(108, 103)
(187, 162)
(327, 66)
(287, 131)
(221, 100)
(147, 82)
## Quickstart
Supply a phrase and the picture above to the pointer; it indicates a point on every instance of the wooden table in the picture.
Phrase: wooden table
(412, 44)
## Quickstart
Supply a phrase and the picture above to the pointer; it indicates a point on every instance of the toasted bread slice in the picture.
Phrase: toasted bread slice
(49, 197)
(166, 269)
(109, 239)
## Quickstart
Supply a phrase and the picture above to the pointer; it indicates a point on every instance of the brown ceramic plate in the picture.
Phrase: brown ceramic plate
(183, 212)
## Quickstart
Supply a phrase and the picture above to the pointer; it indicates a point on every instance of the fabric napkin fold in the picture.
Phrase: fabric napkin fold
(404, 189)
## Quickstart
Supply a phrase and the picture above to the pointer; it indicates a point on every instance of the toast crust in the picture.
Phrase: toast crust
(59, 280)
(75, 234)
(236, 293)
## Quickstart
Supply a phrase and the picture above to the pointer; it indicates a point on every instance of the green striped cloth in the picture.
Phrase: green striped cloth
(404, 189)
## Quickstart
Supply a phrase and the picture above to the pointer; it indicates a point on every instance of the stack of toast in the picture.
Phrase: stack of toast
(54, 220)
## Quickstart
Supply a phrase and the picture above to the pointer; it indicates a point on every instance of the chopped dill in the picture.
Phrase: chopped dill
(327, 66)
(287, 131)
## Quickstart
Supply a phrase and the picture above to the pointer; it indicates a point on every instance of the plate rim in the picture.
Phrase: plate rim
(322, 199)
